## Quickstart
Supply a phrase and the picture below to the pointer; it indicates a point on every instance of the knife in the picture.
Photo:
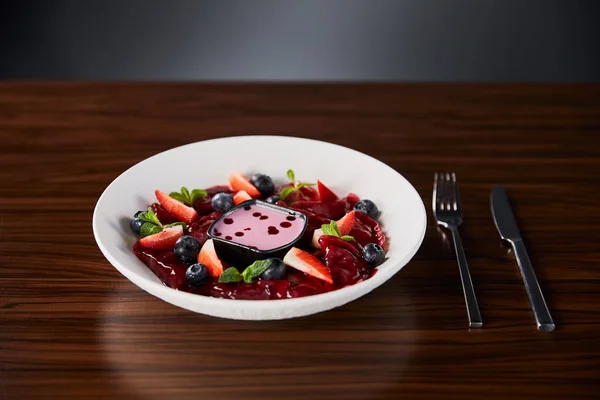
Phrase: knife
(506, 224)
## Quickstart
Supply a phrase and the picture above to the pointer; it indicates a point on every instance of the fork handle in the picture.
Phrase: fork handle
(475, 320)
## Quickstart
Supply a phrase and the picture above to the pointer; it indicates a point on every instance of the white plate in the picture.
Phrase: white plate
(209, 163)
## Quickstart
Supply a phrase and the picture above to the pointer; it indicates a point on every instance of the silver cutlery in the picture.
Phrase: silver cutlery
(447, 210)
(507, 227)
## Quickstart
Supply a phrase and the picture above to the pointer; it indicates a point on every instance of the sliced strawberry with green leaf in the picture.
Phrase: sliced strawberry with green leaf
(164, 240)
(208, 256)
(241, 197)
(305, 262)
(188, 198)
(239, 182)
(176, 208)
(325, 194)
(339, 229)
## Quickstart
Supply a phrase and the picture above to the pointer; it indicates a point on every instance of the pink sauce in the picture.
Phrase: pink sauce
(259, 226)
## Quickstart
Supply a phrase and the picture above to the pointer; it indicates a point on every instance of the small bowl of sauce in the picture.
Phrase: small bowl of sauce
(256, 230)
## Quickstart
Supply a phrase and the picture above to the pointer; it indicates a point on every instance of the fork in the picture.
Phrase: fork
(447, 211)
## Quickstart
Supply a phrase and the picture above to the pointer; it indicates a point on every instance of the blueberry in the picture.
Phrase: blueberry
(137, 214)
(367, 207)
(275, 271)
(273, 199)
(263, 183)
(222, 202)
(373, 254)
(187, 249)
(136, 225)
(196, 275)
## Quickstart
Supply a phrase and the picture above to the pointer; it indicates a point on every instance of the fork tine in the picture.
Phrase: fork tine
(441, 192)
(447, 192)
(434, 200)
(456, 203)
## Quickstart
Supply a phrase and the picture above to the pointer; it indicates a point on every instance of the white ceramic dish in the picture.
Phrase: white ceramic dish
(209, 163)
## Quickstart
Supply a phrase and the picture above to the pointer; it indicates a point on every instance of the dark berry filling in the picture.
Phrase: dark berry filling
(344, 259)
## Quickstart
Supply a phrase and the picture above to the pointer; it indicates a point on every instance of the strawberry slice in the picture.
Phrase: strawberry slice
(208, 256)
(164, 240)
(325, 194)
(345, 224)
(241, 197)
(176, 208)
(239, 182)
(305, 262)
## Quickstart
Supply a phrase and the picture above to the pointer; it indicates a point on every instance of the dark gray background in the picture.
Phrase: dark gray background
(414, 40)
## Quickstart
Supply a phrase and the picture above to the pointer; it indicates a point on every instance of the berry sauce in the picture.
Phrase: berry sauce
(343, 258)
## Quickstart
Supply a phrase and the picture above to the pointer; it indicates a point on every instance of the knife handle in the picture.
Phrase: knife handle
(536, 298)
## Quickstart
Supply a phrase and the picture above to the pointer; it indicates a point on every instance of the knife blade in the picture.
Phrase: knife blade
(504, 217)
(506, 224)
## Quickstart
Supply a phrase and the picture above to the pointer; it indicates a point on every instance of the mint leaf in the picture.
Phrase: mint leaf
(286, 192)
(331, 229)
(247, 277)
(149, 229)
(328, 230)
(151, 223)
(291, 176)
(300, 185)
(149, 216)
(336, 228)
(185, 192)
(179, 197)
(230, 275)
(188, 198)
(175, 224)
(197, 194)
(255, 270)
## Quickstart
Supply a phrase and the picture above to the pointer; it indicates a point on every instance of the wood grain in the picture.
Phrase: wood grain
(72, 327)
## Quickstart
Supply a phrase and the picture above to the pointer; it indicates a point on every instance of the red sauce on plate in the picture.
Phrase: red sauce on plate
(342, 258)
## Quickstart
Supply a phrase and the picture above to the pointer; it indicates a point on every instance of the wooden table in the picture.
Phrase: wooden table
(71, 327)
